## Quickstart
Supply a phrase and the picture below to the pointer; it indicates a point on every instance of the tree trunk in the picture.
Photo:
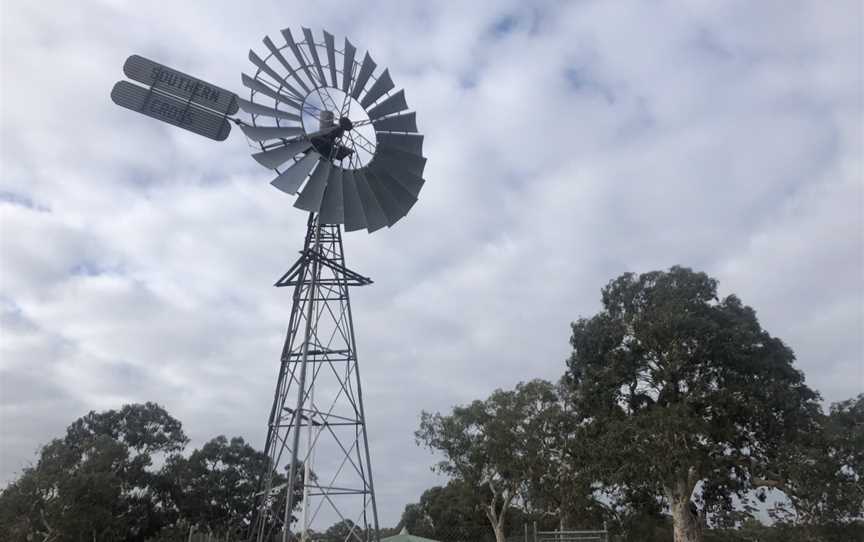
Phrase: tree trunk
(496, 517)
(496, 520)
(686, 519)
(499, 533)
(686, 522)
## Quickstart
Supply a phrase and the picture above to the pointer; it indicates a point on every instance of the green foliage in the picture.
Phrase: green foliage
(558, 492)
(146, 429)
(452, 513)
(99, 483)
(212, 488)
(500, 445)
(634, 515)
(754, 531)
(677, 388)
(341, 531)
(345, 530)
(823, 476)
(95, 483)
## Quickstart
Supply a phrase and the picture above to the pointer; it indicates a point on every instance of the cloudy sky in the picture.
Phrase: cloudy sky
(568, 142)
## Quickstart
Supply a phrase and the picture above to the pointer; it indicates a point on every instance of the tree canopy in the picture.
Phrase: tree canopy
(685, 395)
(823, 476)
(213, 487)
(95, 483)
(454, 512)
(502, 446)
(120, 475)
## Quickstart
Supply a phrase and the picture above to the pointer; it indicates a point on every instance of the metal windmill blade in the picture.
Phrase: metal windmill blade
(312, 97)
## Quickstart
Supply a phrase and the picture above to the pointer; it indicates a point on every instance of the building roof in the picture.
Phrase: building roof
(405, 537)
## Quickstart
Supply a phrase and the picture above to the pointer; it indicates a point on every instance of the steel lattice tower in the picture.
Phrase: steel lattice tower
(316, 435)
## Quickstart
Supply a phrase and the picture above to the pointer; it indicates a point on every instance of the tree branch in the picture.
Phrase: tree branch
(773, 484)
(692, 480)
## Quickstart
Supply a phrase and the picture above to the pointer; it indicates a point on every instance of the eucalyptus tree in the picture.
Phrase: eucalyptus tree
(212, 489)
(496, 445)
(97, 482)
(451, 513)
(685, 395)
(823, 477)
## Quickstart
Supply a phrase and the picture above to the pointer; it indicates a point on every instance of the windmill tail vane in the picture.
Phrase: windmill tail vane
(342, 140)
(176, 98)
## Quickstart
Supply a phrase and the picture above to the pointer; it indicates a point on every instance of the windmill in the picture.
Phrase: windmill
(339, 137)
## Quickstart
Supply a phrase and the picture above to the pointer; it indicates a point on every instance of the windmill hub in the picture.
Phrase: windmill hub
(346, 124)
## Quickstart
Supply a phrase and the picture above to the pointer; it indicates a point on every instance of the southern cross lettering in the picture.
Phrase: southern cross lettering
(170, 111)
(181, 112)
(194, 87)
(183, 86)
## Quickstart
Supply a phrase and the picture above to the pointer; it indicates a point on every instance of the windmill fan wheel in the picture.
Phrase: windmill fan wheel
(335, 133)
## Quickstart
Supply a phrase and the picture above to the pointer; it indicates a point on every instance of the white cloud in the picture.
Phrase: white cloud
(575, 142)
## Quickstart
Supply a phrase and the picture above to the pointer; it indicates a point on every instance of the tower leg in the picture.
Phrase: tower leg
(318, 391)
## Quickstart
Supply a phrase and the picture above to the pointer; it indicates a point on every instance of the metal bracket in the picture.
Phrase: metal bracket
(351, 278)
